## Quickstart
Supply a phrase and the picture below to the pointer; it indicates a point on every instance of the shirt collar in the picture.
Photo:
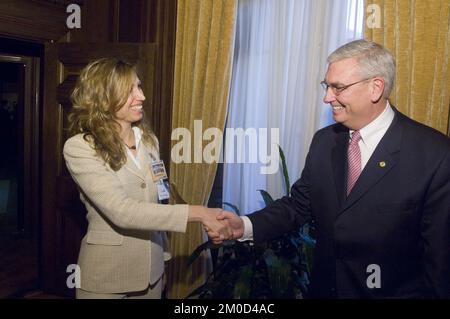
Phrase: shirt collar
(379, 123)
(137, 136)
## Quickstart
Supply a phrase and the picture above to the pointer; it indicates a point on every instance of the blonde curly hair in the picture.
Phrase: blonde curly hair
(102, 88)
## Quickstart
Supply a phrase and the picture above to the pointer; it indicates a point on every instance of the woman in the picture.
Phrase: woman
(110, 156)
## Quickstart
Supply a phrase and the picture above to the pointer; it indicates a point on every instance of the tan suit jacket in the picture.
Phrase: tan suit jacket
(124, 248)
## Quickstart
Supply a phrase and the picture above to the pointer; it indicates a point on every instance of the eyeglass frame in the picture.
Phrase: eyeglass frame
(338, 90)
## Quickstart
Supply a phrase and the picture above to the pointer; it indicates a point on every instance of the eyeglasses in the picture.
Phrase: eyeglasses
(338, 89)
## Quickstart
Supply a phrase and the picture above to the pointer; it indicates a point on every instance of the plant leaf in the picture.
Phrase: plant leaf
(266, 196)
(200, 249)
(309, 256)
(279, 273)
(287, 183)
(233, 207)
(196, 293)
(242, 287)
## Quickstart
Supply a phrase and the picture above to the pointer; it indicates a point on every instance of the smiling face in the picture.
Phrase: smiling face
(359, 104)
(132, 110)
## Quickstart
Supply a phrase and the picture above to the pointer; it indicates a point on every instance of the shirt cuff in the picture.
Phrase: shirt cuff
(248, 229)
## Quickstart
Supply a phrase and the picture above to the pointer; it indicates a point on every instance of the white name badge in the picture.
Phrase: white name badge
(158, 170)
(159, 176)
(162, 186)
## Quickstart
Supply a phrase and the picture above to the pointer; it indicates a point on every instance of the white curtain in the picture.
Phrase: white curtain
(280, 58)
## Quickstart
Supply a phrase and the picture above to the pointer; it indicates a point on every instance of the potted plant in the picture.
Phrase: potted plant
(245, 270)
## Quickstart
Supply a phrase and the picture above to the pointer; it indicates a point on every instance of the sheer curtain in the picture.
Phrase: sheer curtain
(280, 58)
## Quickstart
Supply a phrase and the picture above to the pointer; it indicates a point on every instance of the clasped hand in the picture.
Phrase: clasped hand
(223, 225)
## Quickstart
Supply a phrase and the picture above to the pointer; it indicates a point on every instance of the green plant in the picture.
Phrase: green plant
(245, 270)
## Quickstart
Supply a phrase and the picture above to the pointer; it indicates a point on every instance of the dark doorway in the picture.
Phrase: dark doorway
(19, 171)
(11, 91)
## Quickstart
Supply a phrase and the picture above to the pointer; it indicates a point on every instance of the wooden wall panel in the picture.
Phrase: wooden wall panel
(38, 21)
(140, 23)
(98, 23)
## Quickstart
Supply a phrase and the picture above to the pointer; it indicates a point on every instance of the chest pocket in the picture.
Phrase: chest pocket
(392, 208)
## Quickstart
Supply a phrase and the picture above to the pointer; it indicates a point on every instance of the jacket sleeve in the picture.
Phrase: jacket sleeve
(101, 186)
(436, 230)
(166, 247)
(287, 213)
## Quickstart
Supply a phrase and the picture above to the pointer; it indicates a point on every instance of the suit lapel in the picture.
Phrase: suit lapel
(145, 159)
(380, 163)
(131, 166)
(338, 160)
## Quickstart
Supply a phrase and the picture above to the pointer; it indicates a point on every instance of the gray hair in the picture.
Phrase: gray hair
(373, 59)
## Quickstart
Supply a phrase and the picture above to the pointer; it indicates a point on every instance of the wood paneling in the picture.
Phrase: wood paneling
(19, 250)
(108, 27)
(139, 21)
(49, 168)
(38, 21)
(130, 22)
(98, 23)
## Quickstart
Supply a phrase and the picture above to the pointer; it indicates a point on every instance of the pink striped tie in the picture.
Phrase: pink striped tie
(354, 161)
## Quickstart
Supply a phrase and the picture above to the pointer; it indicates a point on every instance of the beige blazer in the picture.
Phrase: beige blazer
(125, 244)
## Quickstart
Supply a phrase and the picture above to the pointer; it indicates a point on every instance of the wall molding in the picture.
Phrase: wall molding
(34, 20)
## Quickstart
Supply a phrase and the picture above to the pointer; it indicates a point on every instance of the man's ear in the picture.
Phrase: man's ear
(376, 89)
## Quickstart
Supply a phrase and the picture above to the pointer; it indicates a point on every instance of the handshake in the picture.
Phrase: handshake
(219, 224)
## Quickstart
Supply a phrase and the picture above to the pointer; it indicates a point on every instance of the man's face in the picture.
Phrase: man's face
(352, 106)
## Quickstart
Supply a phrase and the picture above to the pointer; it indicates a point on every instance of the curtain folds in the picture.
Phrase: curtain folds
(203, 60)
(418, 34)
(280, 59)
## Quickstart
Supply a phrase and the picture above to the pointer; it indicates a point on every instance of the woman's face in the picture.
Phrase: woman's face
(132, 110)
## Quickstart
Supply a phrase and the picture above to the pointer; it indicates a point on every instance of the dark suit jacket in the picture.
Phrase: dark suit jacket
(397, 215)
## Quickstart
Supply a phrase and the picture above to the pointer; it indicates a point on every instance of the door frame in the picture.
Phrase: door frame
(29, 151)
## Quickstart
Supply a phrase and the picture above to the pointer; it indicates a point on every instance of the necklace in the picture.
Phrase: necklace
(132, 147)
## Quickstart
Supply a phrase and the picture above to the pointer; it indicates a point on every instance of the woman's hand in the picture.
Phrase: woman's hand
(234, 222)
(217, 230)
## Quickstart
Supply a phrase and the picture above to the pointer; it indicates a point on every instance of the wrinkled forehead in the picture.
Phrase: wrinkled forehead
(342, 71)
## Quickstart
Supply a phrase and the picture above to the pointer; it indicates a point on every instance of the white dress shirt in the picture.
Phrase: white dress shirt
(137, 141)
(371, 135)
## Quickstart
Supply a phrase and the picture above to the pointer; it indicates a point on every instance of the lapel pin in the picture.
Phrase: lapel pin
(382, 164)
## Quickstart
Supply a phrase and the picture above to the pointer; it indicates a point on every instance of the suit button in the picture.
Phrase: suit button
(143, 185)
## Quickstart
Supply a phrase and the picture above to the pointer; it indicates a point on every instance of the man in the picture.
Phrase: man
(377, 185)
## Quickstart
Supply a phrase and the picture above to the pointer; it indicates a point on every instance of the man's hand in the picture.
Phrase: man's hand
(217, 230)
(234, 222)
